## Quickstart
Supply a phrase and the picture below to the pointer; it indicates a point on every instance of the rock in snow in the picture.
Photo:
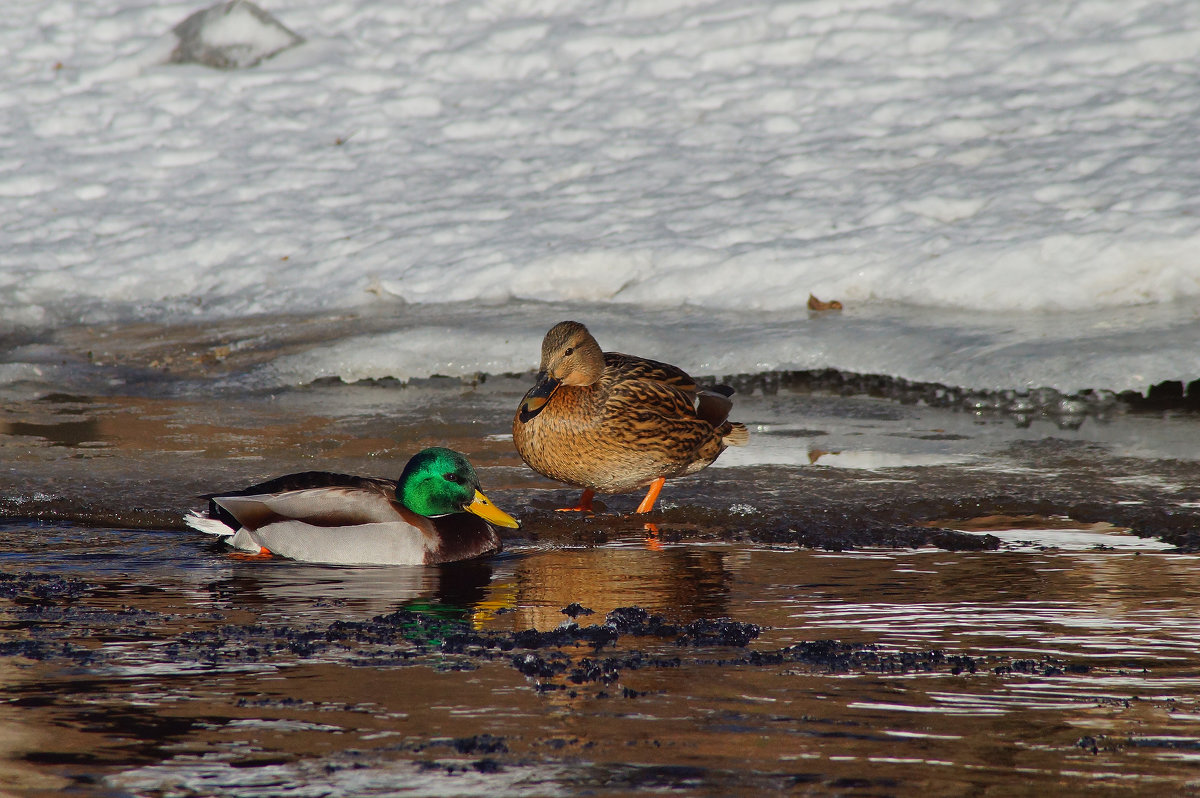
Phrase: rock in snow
(232, 35)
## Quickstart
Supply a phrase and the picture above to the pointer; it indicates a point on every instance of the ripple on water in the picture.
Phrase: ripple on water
(1059, 652)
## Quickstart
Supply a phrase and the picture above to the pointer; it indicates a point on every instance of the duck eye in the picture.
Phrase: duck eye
(452, 477)
(570, 351)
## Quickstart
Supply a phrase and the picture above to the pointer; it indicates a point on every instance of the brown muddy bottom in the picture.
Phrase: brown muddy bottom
(872, 599)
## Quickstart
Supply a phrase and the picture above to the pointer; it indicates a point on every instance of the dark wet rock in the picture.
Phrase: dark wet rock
(604, 671)
(954, 540)
(246, 762)
(532, 664)
(289, 703)
(480, 744)
(43, 650)
(719, 632)
(570, 634)
(1104, 743)
(1040, 667)
(1043, 401)
(1190, 744)
(609, 669)
(961, 664)
(638, 622)
(835, 656)
(421, 629)
(231, 35)
(575, 609)
(40, 587)
(396, 638)
(832, 655)
(596, 636)
(626, 620)
(465, 642)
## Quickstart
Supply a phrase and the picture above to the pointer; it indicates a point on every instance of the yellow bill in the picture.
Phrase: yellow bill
(482, 506)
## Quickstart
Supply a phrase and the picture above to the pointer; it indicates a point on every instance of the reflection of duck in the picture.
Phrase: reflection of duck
(613, 423)
(682, 583)
(301, 593)
(434, 513)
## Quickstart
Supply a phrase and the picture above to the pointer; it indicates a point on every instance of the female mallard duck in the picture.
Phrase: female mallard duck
(613, 423)
(434, 513)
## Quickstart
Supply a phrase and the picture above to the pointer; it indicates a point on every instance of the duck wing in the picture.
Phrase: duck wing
(641, 368)
(711, 404)
(645, 411)
(312, 479)
(337, 506)
(306, 480)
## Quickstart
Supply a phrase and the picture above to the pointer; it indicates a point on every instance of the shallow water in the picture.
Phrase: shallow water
(1078, 670)
(948, 603)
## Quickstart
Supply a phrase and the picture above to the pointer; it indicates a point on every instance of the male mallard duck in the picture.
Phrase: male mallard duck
(613, 423)
(434, 513)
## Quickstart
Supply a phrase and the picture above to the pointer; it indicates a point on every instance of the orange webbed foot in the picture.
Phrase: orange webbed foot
(584, 506)
(263, 554)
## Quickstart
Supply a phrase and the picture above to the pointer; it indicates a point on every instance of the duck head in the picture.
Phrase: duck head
(570, 356)
(440, 481)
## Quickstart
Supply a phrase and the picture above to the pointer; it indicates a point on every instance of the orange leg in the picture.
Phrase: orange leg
(584, 506)
(651, 496)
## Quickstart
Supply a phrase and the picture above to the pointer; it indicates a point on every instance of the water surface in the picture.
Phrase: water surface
(945, 602)
(165, 667)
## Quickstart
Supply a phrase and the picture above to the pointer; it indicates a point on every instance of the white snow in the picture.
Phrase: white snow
(239, 27)
(1002, 194)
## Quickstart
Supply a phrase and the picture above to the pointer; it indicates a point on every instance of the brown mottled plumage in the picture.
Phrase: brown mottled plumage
(614, 423)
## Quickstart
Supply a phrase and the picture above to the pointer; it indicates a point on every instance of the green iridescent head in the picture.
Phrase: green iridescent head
(439, 481)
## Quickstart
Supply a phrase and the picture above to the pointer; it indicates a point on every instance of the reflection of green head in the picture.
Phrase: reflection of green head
(437, 481)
